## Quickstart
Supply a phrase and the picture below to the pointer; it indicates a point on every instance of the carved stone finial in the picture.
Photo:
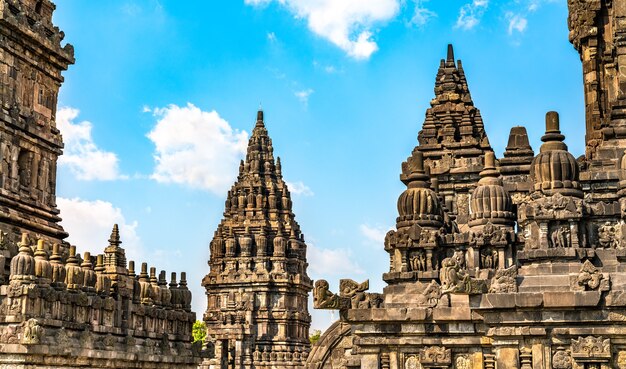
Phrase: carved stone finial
(131, 269)
(74, 274)
(23, 264)
(554, 154)
(114, 239)
(43, 268)
(259, 118)
(553, 139)
(450, 55)
(58, 269)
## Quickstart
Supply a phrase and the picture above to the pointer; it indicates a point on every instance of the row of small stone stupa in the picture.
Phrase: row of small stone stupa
(97, 301)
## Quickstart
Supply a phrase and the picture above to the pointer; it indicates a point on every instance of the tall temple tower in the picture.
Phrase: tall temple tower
(453, 138)
(257, 287)
(598, 32)
(31, 62)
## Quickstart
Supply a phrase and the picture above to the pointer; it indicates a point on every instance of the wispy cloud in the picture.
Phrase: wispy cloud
(421, 14)
(299, 188)
(196, 148)
(471, 14)
(374, 234)
(304, 95)
(348, 24)
(517, 23)
(325, 263)
(271, 37)
(89, 223)
(81, 154)
(327, 68)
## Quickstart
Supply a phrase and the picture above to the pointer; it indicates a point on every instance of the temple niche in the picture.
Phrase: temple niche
(512, 262)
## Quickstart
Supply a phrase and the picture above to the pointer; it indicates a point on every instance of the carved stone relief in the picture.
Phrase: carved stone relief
(561, 360)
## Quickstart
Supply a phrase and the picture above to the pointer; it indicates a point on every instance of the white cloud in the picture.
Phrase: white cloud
(470, 14)
(517, 23)
(304, 95)
(328, 68)
(257, 2)
(347, 24)
(271, 37)
(89, 224)
(299, 188)
(81, 155)
(374, 234)
(421, 14)
(533, 5)
(196, 148)
(325, 263)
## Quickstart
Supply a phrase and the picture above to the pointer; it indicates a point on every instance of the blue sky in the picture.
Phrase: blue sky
(158, 107)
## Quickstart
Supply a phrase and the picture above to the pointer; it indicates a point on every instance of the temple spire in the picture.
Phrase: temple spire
(114, 239)
(450, 56)
(250, 250)
(259, 118)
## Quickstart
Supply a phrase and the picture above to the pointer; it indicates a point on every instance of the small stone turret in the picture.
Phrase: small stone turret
(89, 275)
(418, 204)
(43, 269)
(58, 269)
(490, 202)
(23, 264)
(74, 275)
(555, 170)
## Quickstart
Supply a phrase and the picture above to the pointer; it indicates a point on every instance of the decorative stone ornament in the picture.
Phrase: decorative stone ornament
(554, 170)
(23, 264)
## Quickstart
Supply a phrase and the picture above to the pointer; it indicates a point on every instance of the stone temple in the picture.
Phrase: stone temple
(59, 309)
(494, 263)
(512, 263)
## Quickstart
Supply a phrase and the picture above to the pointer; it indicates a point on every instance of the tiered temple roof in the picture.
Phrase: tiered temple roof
(453, 138)
(257, 286)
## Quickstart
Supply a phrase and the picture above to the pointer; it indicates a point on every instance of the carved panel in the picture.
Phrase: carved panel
(591, 348)
(561, 360)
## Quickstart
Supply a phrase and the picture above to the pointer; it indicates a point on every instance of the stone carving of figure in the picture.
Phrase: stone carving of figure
(251, 198)
(459, 255)
(42, 179)
(323, 298)
(560, 237)
(52, 183)
(489, 258)
(15, 151)
(608, 235)
(418, 261)
(452, 278)
(25, 161)
(32, 332)
(5, 164)
(431, 295)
